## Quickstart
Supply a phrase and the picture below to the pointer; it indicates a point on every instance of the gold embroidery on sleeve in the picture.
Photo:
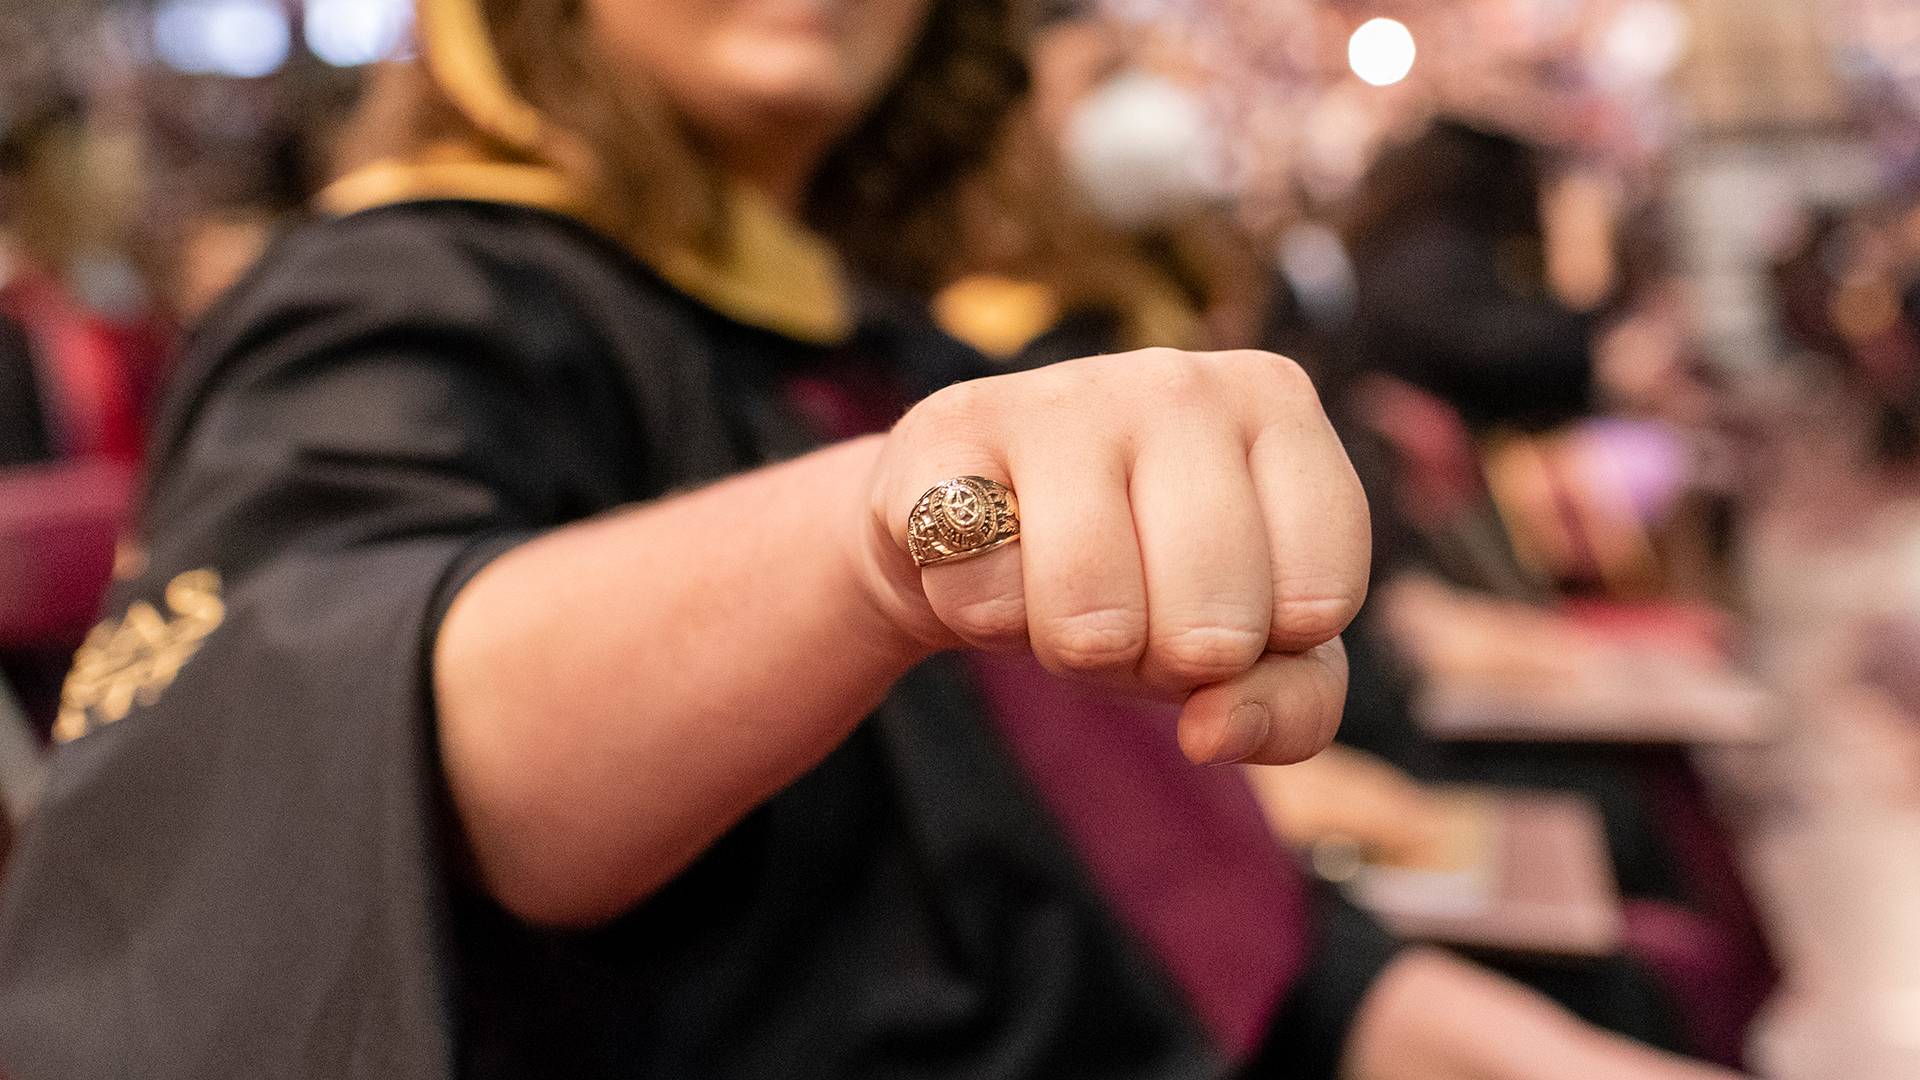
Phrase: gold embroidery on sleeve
(132, 661)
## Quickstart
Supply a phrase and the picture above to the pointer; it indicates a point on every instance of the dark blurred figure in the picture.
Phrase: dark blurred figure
(79, 362)
(1449, 255)
(1848, 307)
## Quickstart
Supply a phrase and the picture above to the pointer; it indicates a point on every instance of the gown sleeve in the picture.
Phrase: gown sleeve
(238, 868)
(1311, 1032)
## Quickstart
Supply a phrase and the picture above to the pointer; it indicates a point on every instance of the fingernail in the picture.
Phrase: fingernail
(1247, 728)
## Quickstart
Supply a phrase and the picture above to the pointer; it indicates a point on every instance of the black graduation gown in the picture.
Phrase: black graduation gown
(253, 872)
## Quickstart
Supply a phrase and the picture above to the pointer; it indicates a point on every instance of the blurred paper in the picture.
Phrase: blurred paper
(1515, 872)
(1652, 701)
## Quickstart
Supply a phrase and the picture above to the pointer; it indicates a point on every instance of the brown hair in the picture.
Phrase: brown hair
(885, 196)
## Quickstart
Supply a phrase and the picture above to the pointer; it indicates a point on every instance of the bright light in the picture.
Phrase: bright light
(349, 33)
(1644, 44)
(242, 39)
(1381, 51)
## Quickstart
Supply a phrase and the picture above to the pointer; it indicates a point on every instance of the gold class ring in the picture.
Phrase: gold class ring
(962, 518)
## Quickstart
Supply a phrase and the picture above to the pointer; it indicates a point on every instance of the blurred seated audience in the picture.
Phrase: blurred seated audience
(1094, 229)
(1089, 279)
(911, 892)
(1466, 389)
(79, 364)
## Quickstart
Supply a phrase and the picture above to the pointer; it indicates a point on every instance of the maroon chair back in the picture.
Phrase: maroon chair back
(58, 526)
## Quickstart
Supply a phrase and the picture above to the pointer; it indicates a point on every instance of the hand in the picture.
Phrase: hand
(1431, 1016)
(1191, 527)
(1345, 794)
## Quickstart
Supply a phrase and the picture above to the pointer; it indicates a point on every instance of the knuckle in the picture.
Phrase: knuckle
(1307, 619)
(1208, 653)
(1278, 375)
(963, 401)
(1312, 726)
(1330, 704)
(1059, 392)
(1250, 360)
(998, 620)
(1303, 736)
(1103, 640)
(1181, 377)
(1283, 369)
(1158, 354)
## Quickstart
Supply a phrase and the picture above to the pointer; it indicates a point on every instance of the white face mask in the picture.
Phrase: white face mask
(1315, 263)
(1141, 150)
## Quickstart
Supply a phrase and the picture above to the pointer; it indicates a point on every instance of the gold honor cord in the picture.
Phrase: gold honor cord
(766, 271)
(458, 51)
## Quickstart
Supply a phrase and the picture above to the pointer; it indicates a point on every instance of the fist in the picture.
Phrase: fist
(1190, 528)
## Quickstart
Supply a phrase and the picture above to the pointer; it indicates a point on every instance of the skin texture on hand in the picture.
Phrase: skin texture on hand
(1191, 529)
(1433, 1017)
(615, 694)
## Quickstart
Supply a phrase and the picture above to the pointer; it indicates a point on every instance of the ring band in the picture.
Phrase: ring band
(962, 518)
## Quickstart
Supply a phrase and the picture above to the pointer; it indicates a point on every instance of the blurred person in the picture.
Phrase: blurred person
(1100, 275)
(1828, 530)
(1849, 306)
(223, 197)
(1104, 277)
(79, 358)
(1450, 262)
(1094, 227)
(70, 284)
(1455, 379)
(1834, 435)
(408, 751)
(216, 251)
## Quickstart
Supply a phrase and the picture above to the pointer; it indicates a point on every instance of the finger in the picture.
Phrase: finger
(956, 432)
(953, 432)
(981, 599)
(1086, 598)
(1203, 544)
(1319, 536)
(1286, 709)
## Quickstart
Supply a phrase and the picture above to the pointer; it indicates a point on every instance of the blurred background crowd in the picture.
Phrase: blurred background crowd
(1616, 303)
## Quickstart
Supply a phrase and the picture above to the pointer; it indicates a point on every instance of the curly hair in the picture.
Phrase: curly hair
(886, 194)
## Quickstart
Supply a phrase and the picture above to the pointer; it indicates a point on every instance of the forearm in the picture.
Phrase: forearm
(615, 695)
(1436, 1018)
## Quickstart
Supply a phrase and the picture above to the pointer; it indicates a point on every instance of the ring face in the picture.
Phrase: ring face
(961, 518)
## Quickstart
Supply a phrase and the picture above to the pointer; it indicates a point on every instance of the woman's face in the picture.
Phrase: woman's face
(762, 80)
